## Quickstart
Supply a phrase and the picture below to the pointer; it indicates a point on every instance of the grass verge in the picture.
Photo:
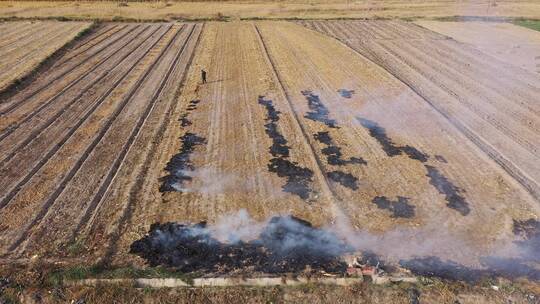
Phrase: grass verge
(532, 24)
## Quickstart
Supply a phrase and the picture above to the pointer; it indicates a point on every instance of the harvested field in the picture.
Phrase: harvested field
(507, 42)
(118, 150)
(27, 43)
(66, 136)
(492, 103)
(303, 9)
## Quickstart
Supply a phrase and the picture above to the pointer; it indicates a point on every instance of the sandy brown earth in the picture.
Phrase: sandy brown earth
(510, 43)
(23, 45)
(421, 157)
(173, 10)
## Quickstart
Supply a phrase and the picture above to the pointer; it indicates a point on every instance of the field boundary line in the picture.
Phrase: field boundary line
(45, 208)
(52, 119)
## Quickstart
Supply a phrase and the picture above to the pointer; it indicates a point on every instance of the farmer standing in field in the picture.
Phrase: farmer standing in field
(203, 76)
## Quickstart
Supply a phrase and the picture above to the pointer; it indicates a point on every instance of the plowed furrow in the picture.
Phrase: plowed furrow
(15, 34)
(29, 39)
(25, 111)
(9, 28)
(523, 137)
(66, 74)
(80, 144)
(98, 160)
(108, 221)
(10, 60)
(104, 187)
(58, 129)
(469, 127)
(17, 136)
(84, 46)
(492, 65)
(518, 94)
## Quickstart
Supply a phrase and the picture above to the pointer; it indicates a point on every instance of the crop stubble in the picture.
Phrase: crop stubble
(83, 133)
(109, 141)
(25, 44)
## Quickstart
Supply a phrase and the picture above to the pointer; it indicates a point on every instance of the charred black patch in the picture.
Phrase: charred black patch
(435, 267)
(184, 121)
(333, 152)
(388, 146)
(452, 193)
(414, 153)
(441, 159)
(298, 178)
(440, 182)
(492, 267)
(414, 296)
(529, 231)
(193, 105)
(318, 111)
(279, 146)
(345, 179)
(285, 245)
(399, 208)
(180, 164)
(346, 93)
(379, 133)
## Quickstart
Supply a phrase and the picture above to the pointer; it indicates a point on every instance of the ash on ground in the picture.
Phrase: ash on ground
(285, 244)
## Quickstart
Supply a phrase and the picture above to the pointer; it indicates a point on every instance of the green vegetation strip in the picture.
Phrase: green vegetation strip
(532, 24)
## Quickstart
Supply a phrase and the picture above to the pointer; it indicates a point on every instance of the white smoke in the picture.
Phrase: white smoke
(392, 246)
(206, 180)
